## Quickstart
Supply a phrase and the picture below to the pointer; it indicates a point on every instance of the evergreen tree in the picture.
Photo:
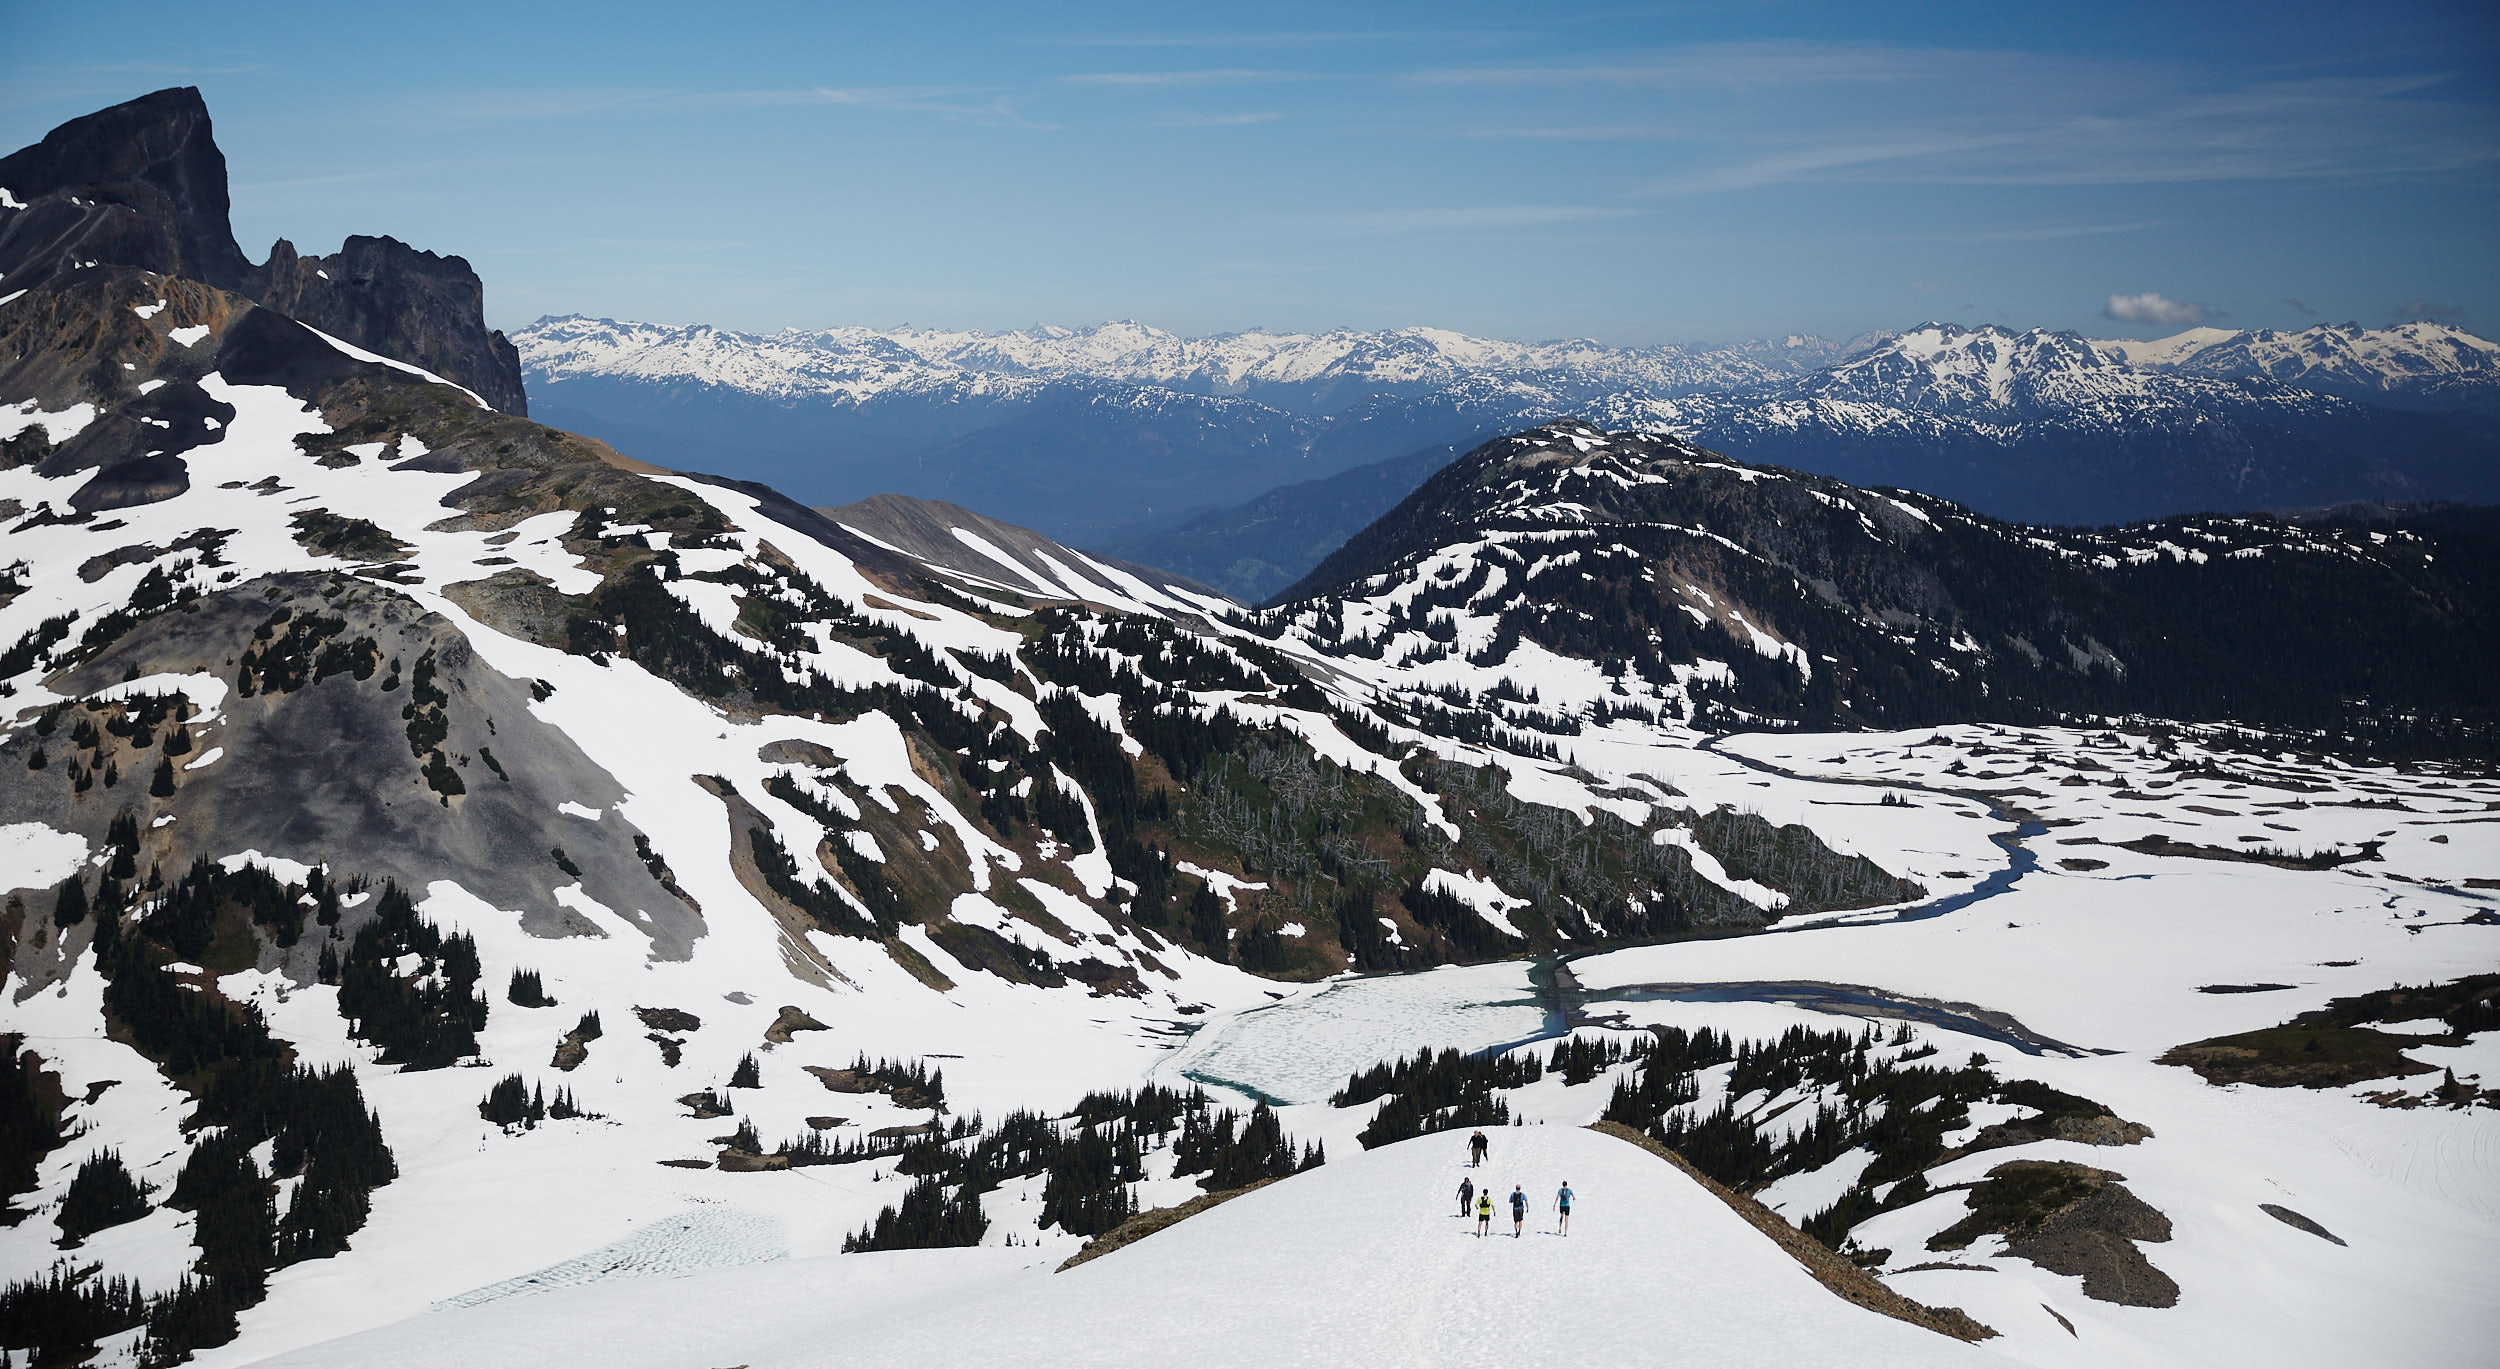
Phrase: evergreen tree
(69, 906)
(1206, 923)
(30, 1123)
(101, 1194)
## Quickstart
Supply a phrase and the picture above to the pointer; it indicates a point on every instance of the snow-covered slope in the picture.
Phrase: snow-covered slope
(2423, 361)
(450, 862)
(1361, 1262)
(1319, 370)
(1113, 436)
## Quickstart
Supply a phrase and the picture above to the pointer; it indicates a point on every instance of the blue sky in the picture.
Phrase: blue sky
(1633, 173)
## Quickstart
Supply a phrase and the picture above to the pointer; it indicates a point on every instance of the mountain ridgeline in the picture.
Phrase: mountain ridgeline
(1240, 460)
(143, 185)
(333, 698)
(1835, 606)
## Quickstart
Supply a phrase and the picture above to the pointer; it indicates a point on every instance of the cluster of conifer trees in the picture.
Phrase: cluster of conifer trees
(1892, 1106)
(513, 1103)
(1090, 1161)
(291, 650)
(30, 1120)
(426, 1019)
(314, 1121)
(1436, 1092)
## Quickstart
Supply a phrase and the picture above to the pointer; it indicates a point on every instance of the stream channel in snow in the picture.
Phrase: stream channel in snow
(1302, 1048)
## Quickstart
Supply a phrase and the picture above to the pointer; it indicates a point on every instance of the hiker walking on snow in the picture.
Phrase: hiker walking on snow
(1484, 1213)
(1562, 1204)
(1476, 1147)
(1466, 1193)
(1518, 1210)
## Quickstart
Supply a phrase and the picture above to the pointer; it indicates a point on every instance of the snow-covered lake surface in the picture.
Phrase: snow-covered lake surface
(1301, 1049)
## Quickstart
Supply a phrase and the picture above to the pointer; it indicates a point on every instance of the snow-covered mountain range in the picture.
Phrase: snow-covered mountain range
(1308, 372)
(1213, 456)
(470, 892)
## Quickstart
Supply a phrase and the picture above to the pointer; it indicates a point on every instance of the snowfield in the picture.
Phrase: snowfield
(1361, 1262)
(2093, 898)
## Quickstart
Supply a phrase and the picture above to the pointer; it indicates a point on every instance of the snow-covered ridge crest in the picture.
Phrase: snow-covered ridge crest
(1933, 365)
(2423, 357)
(859, 363)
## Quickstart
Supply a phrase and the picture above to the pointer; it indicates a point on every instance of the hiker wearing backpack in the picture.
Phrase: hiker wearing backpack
(1484, 1213)
(1518, 1210)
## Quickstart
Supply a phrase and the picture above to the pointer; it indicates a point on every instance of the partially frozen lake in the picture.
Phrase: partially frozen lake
(1301, 1049)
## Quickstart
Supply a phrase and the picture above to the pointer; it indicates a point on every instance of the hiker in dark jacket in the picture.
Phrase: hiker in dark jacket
(1466, 1195)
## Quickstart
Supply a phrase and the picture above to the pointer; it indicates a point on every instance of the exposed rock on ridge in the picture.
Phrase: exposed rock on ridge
(143, 185)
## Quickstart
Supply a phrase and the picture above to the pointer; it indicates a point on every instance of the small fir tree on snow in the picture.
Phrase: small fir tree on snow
(101, 1194)
(527, 990)
(748, 1075)
(69, 906)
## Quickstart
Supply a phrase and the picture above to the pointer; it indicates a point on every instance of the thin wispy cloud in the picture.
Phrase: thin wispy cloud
(2277, 130)
(2158, 309)
(966, 104)
(1250, 38)
(1390, 221)
(196, 67)
(1854, 159)
(2041, 233)
(1159, 80)
(1264, 116)
(2422, 310)
(1730, 66)
(1591, 133)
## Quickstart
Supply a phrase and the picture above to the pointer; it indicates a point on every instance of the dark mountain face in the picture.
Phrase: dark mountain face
(2200, 444)
(1834, 605)
(387, 297)
(143, 185)
(140, 184)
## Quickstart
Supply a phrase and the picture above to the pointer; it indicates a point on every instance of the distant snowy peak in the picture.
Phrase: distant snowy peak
(861, 363)
(2161, 353)
(2432, 360)
(1946, 368)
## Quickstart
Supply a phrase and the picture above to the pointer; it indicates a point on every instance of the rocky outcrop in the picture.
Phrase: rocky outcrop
(139, 184)
(2070, 1219)
(387, 297)
(143, 185)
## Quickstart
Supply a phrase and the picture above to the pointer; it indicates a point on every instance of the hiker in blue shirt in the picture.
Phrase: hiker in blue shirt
(1518, 1210)
(1562, 1204)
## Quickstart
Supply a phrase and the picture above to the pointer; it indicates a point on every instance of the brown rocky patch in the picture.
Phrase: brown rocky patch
(2070, 1219)
(791, 1020)
(2299, 1057)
